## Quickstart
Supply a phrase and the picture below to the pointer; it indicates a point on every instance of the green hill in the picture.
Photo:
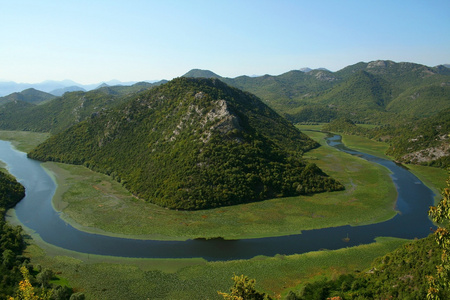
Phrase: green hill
(193, 144)
(29, 95)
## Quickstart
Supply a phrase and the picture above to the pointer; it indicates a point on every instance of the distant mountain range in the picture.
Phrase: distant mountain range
(57, 88)
(373, 92)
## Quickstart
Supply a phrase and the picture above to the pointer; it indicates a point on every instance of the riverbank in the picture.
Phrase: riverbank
(23, 140)
(433, 178)
(89, 201)
(123, 278)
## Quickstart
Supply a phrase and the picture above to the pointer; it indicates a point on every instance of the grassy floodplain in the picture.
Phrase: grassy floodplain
(106, 278)
(432, 177)
(89, 200)
(23, 140)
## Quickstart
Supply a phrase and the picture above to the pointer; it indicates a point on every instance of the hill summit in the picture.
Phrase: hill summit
(193, 143)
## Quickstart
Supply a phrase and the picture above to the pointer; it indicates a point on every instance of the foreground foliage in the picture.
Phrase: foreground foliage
(18, 276)
(439, 283)
(417, 270)
(401, 274)
(244, 288)
(11, 242)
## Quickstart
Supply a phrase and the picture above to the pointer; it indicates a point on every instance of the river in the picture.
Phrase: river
(36, 213)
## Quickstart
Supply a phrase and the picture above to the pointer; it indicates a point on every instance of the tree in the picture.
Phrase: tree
(244, 289)
(26, 291)
(439, 286)
(44, 277)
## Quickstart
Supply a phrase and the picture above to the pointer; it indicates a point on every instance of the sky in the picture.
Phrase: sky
(134, 40)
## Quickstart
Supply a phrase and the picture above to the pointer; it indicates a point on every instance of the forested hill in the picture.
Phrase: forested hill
(193, 144)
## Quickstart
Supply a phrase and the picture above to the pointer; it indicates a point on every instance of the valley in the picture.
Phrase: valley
(230, 166)
(262, 268)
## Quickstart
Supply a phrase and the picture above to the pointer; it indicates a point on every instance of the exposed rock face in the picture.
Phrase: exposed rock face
(323, 76)
(429, 154)
(379, 64)
(222, 119)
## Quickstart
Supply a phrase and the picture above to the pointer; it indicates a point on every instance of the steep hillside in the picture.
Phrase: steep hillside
(424, 101)
(425, 141)
(193, 144)
(29, 95)
(359, 95)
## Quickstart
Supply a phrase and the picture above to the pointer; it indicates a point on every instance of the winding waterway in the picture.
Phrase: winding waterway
(36, 212)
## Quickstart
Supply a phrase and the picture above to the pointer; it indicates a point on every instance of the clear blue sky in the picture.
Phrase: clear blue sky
(131, 40)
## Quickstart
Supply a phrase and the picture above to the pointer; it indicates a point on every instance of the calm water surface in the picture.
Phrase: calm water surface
(35, 211)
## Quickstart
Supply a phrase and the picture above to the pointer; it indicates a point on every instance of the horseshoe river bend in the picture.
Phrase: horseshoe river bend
(36, 213)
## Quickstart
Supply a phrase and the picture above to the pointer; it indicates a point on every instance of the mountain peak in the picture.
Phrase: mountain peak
(29, 95)
(198, 73)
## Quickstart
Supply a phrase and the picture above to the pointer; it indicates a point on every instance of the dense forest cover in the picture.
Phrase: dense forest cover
(425, 141)
(193, 144)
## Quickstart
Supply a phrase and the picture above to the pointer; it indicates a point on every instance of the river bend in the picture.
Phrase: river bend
(36, 212)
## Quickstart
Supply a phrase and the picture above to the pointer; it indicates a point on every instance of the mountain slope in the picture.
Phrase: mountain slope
(29, 95)
(63, 112)
(193, 144)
